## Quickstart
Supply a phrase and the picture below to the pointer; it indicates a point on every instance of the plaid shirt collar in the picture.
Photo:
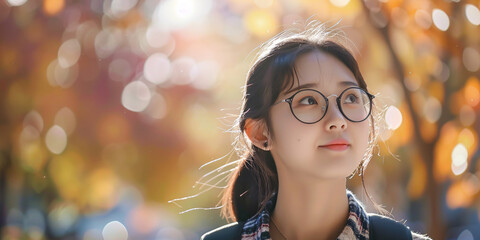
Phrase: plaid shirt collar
(258, 227)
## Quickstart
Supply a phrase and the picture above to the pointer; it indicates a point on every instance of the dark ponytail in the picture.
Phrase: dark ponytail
(253, 185)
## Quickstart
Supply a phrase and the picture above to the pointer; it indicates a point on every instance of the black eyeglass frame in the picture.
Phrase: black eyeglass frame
(290, 99)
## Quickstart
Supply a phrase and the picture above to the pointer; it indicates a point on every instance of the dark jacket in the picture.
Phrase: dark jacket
(380, 227)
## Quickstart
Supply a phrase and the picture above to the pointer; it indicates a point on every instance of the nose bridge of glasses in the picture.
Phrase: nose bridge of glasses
(336, 96)
(334, 102)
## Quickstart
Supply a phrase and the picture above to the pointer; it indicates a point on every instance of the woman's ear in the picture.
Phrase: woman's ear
(257, 133)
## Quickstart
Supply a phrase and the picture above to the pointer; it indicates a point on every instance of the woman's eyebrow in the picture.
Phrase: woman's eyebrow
(348, 83)
(306, 85)
(312, 85)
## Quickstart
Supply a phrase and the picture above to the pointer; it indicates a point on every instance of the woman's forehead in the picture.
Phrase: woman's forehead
(320, 70)
(321, 65)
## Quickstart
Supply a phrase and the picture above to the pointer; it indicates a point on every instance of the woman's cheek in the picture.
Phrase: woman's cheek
(363, 132)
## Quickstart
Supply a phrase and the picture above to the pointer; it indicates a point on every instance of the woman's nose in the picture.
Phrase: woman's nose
(334, 117)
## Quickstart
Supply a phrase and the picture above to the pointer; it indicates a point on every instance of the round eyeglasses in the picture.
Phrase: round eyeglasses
(310, 106)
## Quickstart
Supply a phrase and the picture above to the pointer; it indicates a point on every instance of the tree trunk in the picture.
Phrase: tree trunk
(435, 223)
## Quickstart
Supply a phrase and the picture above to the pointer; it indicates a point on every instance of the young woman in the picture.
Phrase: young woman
(307, 114)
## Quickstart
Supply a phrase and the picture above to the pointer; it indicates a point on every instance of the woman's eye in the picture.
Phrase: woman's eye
(351, 99)
(308, 101)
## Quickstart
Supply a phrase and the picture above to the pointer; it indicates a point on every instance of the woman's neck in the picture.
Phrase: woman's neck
(317, 210)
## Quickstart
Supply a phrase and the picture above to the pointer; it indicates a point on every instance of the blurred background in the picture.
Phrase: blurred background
(109, 109)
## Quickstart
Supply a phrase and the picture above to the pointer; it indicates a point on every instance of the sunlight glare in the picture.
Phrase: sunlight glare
(115, 230)
(440, 19)
(56, 139)
(459, 159)
(136, 96)
(473, 14)
(393, 117)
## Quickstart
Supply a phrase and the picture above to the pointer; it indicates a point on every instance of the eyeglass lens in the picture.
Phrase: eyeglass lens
(310, 106)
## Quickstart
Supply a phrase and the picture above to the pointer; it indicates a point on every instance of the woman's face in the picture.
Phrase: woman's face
(298, 148)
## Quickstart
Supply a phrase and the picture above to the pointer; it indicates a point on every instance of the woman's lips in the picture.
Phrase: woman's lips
(339, 144)
(337, 147)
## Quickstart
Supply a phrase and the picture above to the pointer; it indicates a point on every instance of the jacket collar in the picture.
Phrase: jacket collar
(258, 226)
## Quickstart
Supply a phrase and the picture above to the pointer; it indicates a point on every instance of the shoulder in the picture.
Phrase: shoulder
(382, 227)
(228, 231)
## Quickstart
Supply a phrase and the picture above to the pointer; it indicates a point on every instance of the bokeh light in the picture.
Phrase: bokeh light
(69, 53)
(65, 118)
(440, 19)
(473, 14)
(261, 23)
(340, 3)
(393, 117)
(177, 14)
(52, 7)
(114, 230)
(472, 91)
(33, 156)
(104, 190)
(157, 107)
(157, 68)
(119, 8)
(157, 37)
(16, 3)
(28, 134)
(459, 159)
(465, 235)
(432, 109)
(471, 59)
(184, 70)
(34, 119)
(60, 76)
(136, 96)
(107, 41)
(423, 19)
(469, 139)
(56, 139)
